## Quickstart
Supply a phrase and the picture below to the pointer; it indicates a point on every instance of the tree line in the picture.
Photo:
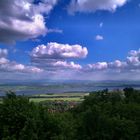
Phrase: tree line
(103, 115)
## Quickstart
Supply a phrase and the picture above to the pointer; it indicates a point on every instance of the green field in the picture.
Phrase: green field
(59, 97)
(76, 97)
(0, 100)
(55, 99)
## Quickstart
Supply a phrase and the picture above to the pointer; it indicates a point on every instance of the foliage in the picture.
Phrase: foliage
(103, 115)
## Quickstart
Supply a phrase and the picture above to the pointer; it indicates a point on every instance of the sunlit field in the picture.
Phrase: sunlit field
(77, 97)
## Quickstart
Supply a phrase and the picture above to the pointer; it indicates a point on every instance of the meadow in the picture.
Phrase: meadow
(78, 97)
(75, 97)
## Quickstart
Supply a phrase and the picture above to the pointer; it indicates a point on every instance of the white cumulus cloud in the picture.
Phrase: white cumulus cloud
(11, 66)
(67, 65)
(3, 52)
(55, 56)
(99, 37)
(132, 63)
(55, 50)
(22, 19)
(101, 24)
(98, 66)
(94, 5)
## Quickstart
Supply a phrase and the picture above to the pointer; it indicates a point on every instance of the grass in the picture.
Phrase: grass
(63, 94)
(55, 99)
(0, 101)
(77, 97)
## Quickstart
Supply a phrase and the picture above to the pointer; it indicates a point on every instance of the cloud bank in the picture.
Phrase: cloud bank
(89, 6)
(45, 64)
(56, 58)
(129, 69)
(10, 66)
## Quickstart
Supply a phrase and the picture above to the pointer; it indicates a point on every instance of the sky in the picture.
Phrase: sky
(69, 40)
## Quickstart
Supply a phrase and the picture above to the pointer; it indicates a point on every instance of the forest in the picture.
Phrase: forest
(103, 115)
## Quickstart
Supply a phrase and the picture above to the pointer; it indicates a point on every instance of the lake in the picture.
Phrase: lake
(65, 87)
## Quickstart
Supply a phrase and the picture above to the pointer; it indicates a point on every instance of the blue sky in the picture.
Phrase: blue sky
(69, 39)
